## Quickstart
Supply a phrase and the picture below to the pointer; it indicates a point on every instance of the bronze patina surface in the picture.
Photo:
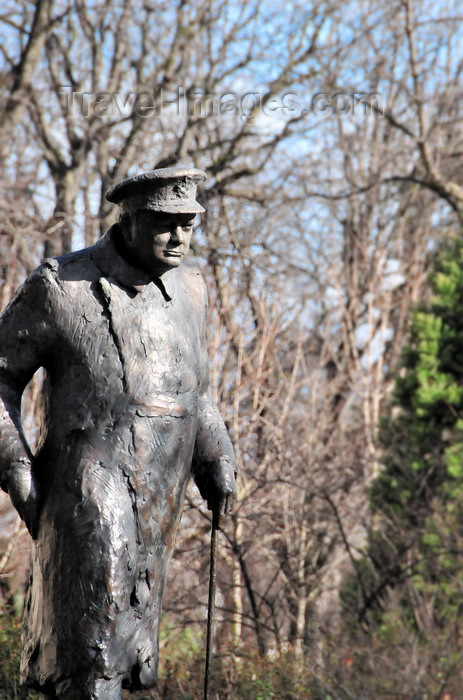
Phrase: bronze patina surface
(120, 329)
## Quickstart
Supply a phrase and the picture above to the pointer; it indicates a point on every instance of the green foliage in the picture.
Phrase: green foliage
(408, 583)
(423, 444)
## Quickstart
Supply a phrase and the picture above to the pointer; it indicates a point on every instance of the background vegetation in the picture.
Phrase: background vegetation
(332, 137)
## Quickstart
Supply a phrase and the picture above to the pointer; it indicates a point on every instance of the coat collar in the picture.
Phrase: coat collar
(113, 265)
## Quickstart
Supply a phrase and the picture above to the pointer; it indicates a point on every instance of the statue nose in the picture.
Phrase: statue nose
(177, 233)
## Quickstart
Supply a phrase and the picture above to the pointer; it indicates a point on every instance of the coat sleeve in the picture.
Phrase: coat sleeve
(214, 464)
(26, 333)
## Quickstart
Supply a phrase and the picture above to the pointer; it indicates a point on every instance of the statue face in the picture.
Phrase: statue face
(159, 241)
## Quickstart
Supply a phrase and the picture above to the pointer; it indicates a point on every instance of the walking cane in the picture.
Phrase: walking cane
(211, 602)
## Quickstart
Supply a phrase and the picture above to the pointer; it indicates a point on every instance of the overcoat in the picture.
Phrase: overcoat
(127, 410)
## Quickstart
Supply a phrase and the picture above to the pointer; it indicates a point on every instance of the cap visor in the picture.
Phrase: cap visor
(184, 207)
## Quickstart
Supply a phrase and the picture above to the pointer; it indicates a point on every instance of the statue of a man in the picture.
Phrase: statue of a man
(120, 329)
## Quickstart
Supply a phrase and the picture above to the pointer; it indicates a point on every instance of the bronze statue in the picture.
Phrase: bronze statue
(120, 329)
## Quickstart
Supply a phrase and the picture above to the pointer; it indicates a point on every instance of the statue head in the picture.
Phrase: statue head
(158, 210)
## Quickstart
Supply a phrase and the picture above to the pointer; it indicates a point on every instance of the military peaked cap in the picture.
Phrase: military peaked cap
(168, 190)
